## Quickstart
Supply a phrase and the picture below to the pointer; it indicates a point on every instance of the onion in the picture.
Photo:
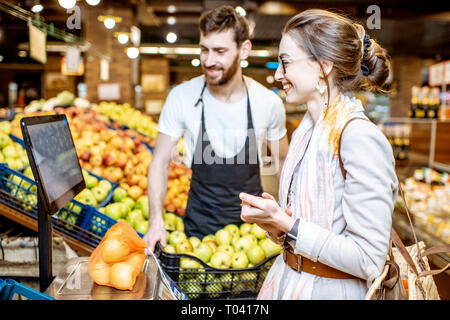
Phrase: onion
(137, 260)
(100, 273)
(114, 250)
(122, 276)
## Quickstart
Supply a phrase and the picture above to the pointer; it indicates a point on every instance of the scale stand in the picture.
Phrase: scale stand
(45, 233)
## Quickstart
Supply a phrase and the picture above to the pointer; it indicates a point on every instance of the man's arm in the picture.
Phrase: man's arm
(279, 150)
(158, 172)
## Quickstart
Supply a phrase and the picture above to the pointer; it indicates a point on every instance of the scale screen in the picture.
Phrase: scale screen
(53, 159)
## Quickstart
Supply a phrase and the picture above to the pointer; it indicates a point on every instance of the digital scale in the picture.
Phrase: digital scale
(57, 172)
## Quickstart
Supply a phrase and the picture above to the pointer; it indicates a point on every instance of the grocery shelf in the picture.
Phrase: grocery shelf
(401, 225)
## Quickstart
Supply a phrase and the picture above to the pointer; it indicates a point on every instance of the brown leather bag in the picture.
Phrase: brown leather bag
(389, 285)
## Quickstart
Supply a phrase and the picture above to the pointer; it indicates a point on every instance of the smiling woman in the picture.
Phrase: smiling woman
(323, 219)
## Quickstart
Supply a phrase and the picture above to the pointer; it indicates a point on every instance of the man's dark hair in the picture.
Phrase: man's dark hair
(223, 18)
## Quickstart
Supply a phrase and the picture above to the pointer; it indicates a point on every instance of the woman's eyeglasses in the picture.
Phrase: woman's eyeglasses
(285, 62)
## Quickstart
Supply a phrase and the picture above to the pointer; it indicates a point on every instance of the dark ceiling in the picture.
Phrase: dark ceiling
(407, 27)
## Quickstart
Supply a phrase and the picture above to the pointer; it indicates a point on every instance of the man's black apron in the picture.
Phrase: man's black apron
(215, 186)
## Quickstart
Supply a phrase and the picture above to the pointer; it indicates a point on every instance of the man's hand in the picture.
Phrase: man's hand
(156, 232)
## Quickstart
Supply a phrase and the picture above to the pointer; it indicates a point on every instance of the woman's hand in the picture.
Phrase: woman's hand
(265, 212)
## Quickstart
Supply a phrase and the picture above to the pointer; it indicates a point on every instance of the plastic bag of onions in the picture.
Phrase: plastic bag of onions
(118, 259)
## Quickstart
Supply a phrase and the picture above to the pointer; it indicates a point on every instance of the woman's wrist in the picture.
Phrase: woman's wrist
(286, 223)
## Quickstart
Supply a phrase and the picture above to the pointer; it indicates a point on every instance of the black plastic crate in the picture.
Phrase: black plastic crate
(211, 283)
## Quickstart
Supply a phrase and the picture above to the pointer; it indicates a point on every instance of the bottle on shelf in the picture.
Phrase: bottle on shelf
(426, 101)
(414, 101)
(433, 111)
(419, 108)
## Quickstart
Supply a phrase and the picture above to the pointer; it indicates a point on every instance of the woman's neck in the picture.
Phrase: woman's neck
(319, 103)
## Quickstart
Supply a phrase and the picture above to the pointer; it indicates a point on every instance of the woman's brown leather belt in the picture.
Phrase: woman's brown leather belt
(300, 264)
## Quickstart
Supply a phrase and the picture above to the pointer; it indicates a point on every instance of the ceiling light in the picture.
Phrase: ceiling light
(241, 11)
(270, 79)
(1, 58)
(171, 37)
(171, 20)
(67, 4)
(109, 23)
(244, 63)
(37, 8)
(195, 62)
(122, 38)
(132, 52)
(93, 2)
(171, 8)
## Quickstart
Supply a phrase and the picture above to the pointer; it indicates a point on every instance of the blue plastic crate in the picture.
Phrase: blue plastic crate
(19, 193)
(95, 226)
(9, 288)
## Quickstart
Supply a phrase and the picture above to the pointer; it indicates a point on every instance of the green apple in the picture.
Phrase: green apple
(29, 173)
(195, 242)
(212, 244)
(245, 228)
(5, 127)
(213, 290)
(258, 232)
(91, 181)
(179, 224)
(233, 229)
(170, 222)
(189, 268)
(170, 249)
(243, 244)
(86, 197)
(234, 240)
(223, 236)
(252, 238)
(134, 217)
(142, 226)
(5, 140)
(226, 280)
(129, 202)
(99, 193)
(221, 260)
(255, 254)
(203, 251)
(85, 174)
(105, 184)
(118, 194)
(191, 289)
(269, 247)
(208, 237)
(101, 210)
(228, 249)
(184, 247)
(177, 237)
(114, 210)
(239, 260)
(142, 202)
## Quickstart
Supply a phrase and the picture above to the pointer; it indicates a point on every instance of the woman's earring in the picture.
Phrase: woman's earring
(321, 88)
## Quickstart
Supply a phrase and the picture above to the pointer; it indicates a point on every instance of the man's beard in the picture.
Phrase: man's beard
(226, 76)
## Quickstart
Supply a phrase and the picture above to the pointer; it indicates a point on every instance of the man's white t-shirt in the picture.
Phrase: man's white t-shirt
(225, 123)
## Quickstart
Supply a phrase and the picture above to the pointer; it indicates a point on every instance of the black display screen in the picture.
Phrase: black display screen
(53, 159)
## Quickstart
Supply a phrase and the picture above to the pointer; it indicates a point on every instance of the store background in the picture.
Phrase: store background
(415, 33)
